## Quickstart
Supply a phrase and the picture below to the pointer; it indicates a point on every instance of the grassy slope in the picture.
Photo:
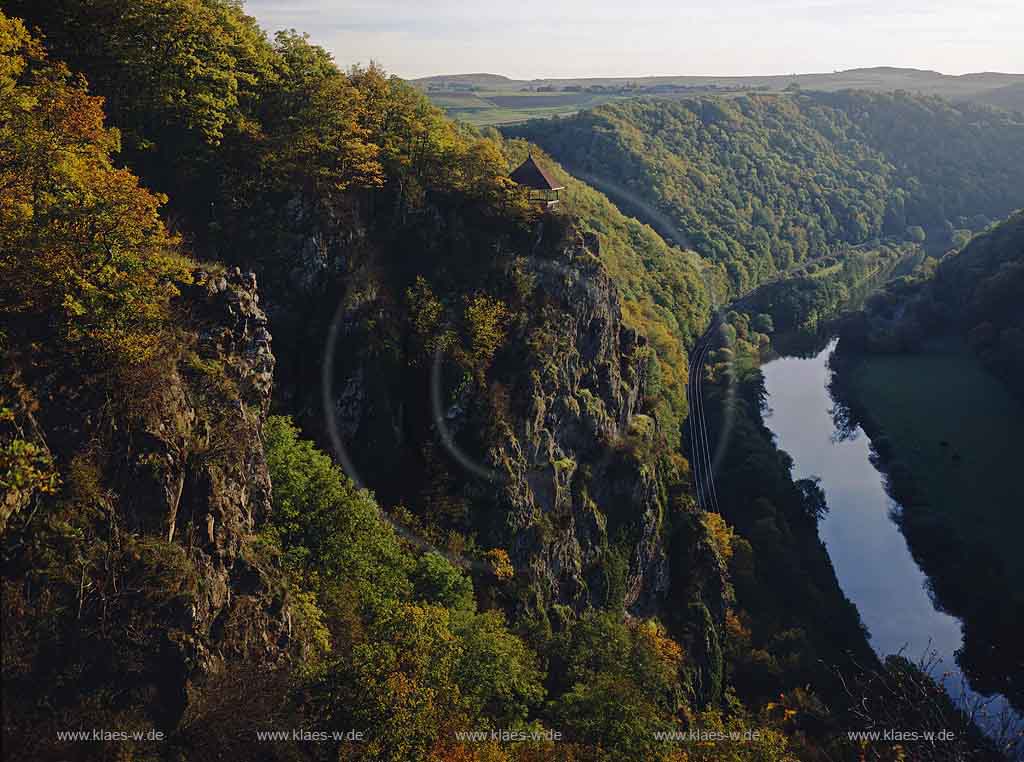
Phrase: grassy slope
(943, 394)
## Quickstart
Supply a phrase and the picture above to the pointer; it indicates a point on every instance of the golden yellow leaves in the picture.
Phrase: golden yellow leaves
(500, 564)
(720, 534)
(79, 238)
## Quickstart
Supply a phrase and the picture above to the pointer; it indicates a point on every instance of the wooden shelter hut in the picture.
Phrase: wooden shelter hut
(542, 188)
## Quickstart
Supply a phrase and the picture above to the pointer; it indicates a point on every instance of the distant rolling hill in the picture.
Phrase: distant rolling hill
(495, 99)
(1010, 97)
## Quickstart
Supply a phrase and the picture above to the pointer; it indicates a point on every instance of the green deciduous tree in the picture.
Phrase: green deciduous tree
(331, 532)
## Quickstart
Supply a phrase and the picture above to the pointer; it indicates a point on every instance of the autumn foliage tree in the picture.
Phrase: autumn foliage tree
(84, 257)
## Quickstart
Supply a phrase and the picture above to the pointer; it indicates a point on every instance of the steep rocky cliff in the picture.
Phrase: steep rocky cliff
(583, 512)
(139, 567)
(552, 452)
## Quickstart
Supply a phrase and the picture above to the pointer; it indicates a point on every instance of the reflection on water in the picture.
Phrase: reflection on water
(874, 566)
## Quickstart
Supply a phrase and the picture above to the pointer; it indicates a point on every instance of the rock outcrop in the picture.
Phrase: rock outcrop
(145, 552)
(584, 512)
(211, 486)
(550, 458)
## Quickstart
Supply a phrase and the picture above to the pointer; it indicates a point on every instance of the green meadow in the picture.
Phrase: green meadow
(491, 108)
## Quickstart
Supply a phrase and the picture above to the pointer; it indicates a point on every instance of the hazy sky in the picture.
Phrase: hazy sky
(573, 38)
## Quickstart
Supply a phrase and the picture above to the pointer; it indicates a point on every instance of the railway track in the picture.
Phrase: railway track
(701, 450)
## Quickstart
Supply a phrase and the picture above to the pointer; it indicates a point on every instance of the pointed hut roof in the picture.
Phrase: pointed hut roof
(532, 175)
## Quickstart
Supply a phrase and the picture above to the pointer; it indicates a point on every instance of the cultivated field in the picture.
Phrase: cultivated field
(484, 108)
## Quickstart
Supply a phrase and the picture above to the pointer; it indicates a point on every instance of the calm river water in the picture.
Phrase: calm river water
(870, 555)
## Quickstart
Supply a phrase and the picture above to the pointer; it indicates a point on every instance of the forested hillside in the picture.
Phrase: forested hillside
(241, 289)
(982, 287)
(272, 158)
(762, 183)
(975, 293)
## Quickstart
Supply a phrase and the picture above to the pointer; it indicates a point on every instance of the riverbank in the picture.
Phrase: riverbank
(944, 434)
(794, 637)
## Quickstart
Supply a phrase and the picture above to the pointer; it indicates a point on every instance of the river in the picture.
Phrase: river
(870, 555)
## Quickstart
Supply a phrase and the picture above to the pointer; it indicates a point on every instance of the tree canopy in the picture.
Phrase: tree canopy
(762, 183)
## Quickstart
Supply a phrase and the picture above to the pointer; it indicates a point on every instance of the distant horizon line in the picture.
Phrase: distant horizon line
(719, 76)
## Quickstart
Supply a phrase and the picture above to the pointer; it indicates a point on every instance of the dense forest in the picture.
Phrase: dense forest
(975, 293)
(813, 294)
(761, 184)
(175, 560)
(242, 288)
